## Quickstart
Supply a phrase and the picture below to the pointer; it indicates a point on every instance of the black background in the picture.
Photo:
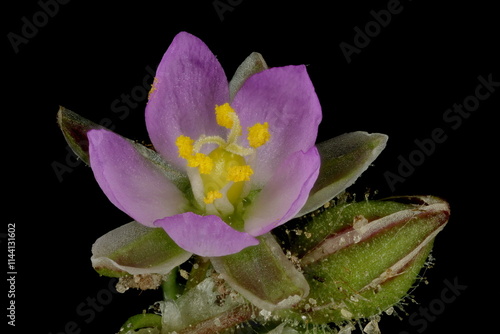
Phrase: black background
(88, 54)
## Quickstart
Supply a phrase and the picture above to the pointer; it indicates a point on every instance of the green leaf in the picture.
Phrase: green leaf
(134, 249)
(263, 275)
(343, 160)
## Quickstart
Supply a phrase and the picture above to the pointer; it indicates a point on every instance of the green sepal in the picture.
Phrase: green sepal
(263, 275)
(74, 128)
(253, 64)
(343, 159)
(136, 249)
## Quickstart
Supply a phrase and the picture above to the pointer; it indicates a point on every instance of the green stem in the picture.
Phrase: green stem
(170, 286)
(139, 321)
(198, 272)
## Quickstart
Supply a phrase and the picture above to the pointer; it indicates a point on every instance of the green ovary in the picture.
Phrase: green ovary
(219, 177)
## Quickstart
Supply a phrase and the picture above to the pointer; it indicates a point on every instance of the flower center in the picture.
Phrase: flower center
(227, 168)
(224, 171)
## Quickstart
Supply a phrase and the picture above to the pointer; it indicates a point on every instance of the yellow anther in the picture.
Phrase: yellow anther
(225, 167)
(223, 115)
(239, 173)
(153, 88)
(185, 146)
(258, 135)
(204, 163)
(212, 196)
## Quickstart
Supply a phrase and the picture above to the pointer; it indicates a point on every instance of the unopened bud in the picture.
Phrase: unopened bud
(362, 258)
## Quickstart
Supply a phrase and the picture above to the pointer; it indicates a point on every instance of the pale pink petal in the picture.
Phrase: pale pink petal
(132, 182)
(205, 235)
(284, 194)
(189, 83)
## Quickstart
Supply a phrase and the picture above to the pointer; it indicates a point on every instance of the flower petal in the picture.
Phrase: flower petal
(135, 184)
(189, 83)
(205, 235)
(136, 249)
(285, 98)
(284, 194)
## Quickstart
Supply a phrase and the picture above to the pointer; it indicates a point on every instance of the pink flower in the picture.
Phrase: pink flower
(233, 163)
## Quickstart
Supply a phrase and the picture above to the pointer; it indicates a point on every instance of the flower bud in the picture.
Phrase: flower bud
(362, 258)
